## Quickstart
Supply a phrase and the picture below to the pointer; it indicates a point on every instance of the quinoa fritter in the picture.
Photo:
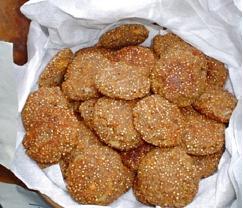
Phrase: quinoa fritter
(97, 176)
(167, 177)
(217, 74)
(180, 75)
(53, 73)
(161, 43)
(79, 81)
(124, 35)
(38, 101)
(207, 165)
(127, 76)
(158, 121)
(113, 123)
(202, 136)
(47, 142)
(217, 104)
(85, 139)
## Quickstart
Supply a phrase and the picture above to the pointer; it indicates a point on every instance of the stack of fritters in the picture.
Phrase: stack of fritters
(118, 115)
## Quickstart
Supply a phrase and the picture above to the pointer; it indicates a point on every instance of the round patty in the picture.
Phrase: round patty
(42, 99)
(48, 141)
(217, 74)
(167, 177)
(180, 75)
(124, 35)
(53, 73)
(161, 43)
(127, 76)
(202, 136)
(97, 176)
(158, 121)
(85, 139)
(208, 164)
(217, 104)
(113, 123)
(79, 81)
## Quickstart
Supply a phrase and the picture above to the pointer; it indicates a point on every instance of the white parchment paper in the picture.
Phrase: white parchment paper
(8, 105)
(213, 26)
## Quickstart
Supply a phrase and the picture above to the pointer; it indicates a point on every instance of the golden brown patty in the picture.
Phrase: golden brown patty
(161, 43)
(124, 35)
(132, 158)
(47, 142)
(86, 110)
(217, 104)
(79, 81)
(64, 162)
(127, 75)
(139, 195)
(207, 165)
(202, 136)
(217, 74)
(158, 121)
(53, 73)
(137, 56)
(86, 139)
(180, 75)
(53, 114)
(97, 176)
(43, 98)
(113, 123)
(167, 177)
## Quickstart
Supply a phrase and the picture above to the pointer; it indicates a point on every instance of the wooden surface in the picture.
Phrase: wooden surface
(14, 28)
(7, 176)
